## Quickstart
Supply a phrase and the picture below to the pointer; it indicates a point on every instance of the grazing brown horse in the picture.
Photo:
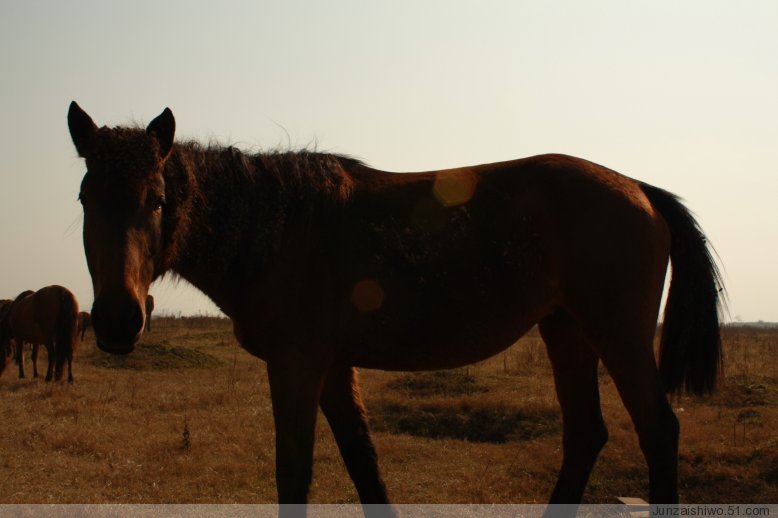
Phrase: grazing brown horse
(84, 322)
(149, 310)
(49, 317)
(325, 264)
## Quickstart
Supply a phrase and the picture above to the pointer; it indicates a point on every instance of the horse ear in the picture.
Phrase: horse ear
(82, 129)
(163, 128)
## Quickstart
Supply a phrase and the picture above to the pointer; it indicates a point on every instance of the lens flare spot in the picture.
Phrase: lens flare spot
(367, 295)
(454, 187)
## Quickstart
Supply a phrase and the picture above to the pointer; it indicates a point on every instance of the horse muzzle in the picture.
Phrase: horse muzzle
(118, 326)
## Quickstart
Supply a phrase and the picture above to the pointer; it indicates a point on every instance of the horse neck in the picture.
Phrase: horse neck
(219, 226)
(242, 207)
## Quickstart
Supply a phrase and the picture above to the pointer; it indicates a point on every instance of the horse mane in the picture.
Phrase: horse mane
(246, 201)
(304, 172)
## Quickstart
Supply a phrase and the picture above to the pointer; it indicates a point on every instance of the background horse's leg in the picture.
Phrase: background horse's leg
(34, 357)
(295, 388)
(575, 374)
(70, 365)
(343, 408)
(51, 353)
(20, 357)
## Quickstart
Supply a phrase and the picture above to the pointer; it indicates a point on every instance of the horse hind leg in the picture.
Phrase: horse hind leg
(34, 357)
(51, 355)
(627, 352)
(637, 379)
(20, 357)
(574, 363)
(70, 366)
(343, 408)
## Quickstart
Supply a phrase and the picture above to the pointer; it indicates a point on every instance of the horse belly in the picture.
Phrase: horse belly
(444, 345)
(437, 293)
(463, 317)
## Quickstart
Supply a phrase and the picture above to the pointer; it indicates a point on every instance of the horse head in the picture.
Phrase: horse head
(126, 235)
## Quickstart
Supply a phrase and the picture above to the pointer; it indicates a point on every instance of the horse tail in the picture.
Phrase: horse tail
(690, 349)
(67, 331)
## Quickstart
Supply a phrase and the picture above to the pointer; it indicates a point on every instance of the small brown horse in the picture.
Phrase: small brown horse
(49, 317)
(325, 264)
(149, 310)
(84, 322)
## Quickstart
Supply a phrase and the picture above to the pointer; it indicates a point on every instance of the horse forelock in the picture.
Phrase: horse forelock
(129, 152)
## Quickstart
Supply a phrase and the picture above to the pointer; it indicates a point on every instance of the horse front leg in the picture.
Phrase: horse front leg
(342, 406)
(295, 388)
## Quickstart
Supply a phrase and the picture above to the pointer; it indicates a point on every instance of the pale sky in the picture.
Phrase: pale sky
(682, 95)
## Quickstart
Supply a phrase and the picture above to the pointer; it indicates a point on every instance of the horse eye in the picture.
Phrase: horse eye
(159, 203)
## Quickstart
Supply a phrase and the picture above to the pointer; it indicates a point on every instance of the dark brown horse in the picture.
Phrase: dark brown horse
(49, 317)
(84, 321)
(325, 264)
(149, 311)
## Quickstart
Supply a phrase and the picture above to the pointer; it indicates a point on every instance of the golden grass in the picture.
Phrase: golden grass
(187, 418)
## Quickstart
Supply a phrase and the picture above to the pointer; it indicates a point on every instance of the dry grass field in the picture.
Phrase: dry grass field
(187, 419)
